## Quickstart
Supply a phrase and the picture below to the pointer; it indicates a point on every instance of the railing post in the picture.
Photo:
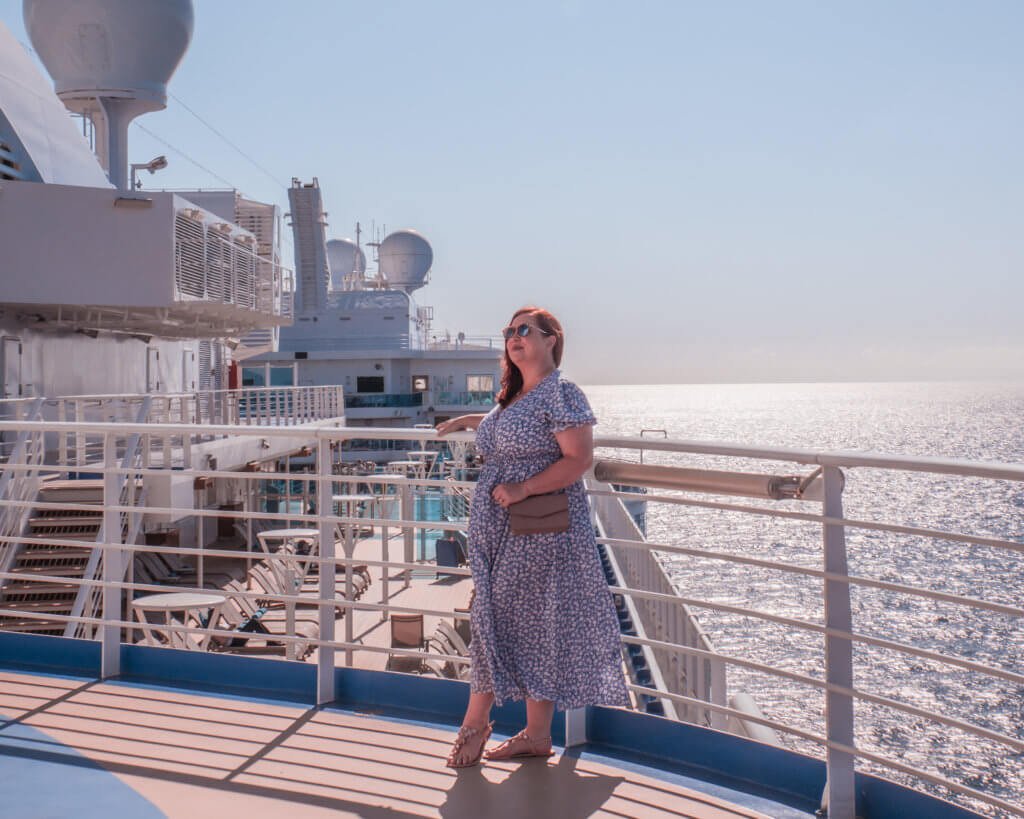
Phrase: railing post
(62, 450)
(576, 726)
(719, 693)
(110, 635)
(840, 793)
(79, 436)
(406, 510)
(290, 588)
(325, 672)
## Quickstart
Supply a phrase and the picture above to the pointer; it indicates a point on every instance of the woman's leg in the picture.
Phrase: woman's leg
(534, 739)
(538, 719)
(478, 711)
(475, 731)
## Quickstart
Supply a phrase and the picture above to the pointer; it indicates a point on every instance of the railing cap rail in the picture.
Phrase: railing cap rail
(139, 396)
(316, 429)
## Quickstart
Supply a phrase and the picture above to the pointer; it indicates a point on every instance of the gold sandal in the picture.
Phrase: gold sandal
(467, 733)
(508, 748)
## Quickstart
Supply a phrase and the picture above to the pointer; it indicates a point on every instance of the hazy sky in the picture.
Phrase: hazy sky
(728, 191)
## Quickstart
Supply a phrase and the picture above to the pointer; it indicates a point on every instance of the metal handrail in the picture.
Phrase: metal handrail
(85, 603)
(838, 633)
(19, 484)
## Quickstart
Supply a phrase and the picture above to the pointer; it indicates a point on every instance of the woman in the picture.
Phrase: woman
(543, 621)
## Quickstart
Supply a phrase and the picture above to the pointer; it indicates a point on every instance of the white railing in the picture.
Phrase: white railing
(213, 264)
(129, 522)
(19, 485)
(263, 406)
(663, 620)
(837, 729)
(282, 406)
(449, 341)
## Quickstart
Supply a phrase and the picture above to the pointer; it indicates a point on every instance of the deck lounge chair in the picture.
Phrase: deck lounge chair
(406, 632)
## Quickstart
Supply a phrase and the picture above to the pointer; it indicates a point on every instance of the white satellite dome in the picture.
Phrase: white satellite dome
(110, 48)
(346, 260)
(405, 259)
(111, 61)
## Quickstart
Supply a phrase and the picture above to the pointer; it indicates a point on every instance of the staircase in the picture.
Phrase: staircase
(42, 558)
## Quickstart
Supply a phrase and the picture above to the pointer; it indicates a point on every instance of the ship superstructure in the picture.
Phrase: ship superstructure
(368, 334)
(116, 291)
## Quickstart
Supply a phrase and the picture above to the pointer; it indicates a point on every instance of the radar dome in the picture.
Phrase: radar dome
(110, 61)
(110, 48)
(345, 259)
(405, 259)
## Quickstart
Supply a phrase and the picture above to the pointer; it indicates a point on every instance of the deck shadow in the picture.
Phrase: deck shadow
(533, 788)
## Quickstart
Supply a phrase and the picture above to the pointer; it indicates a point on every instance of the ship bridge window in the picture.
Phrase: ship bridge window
(420, 383)
(369, 383)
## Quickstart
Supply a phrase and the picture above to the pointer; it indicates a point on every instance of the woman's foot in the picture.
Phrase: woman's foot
(469, 745)
(520, 746)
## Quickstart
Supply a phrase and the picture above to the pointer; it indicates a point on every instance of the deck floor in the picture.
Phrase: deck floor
(83, 747)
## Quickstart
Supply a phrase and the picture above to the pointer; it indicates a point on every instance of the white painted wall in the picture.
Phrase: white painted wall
(353, 317)
(70, 245)
(67, 363)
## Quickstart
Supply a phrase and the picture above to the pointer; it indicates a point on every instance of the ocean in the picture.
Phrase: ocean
(979, 421)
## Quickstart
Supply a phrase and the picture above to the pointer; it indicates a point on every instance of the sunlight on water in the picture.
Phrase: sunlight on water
(976, 421)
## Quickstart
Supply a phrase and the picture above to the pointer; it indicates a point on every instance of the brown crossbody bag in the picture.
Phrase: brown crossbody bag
(539, 514)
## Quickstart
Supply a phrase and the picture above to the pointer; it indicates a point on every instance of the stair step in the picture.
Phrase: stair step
(55, 606)
(63, 518)
(38, 588)
(54, 551)
(55, 571)
(32, 626)
(66, 532)
(66, 601)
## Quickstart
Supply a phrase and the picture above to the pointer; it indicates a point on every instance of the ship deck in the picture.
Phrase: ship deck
(427, 588)
(90, 748)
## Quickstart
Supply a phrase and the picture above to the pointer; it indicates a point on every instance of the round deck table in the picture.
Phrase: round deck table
(190, 604)
(284, 537)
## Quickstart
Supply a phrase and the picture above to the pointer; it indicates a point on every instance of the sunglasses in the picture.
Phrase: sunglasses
(522, 330)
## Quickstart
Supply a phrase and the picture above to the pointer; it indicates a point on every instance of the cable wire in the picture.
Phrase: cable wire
(184, 155)
(229, 142)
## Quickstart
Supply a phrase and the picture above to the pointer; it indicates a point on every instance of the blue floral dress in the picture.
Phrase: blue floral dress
(543, 620)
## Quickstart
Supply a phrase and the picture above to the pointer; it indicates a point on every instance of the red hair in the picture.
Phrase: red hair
(511, 377)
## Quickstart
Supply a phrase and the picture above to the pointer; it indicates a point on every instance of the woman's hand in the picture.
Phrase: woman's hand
(451, 425)
(471, 421)
(507, 493)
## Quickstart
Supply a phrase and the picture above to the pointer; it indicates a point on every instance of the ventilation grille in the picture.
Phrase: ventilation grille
(189, 251)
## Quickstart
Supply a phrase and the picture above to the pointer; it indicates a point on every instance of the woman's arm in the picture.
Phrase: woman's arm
(577, 445)
(471, 421)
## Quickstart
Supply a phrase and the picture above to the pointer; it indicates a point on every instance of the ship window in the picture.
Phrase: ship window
(420, 383)
(252, 377)
(369, 383)
(282, 377)
(480, 383)
(344, 318)
(389, 318)
(301, 356)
